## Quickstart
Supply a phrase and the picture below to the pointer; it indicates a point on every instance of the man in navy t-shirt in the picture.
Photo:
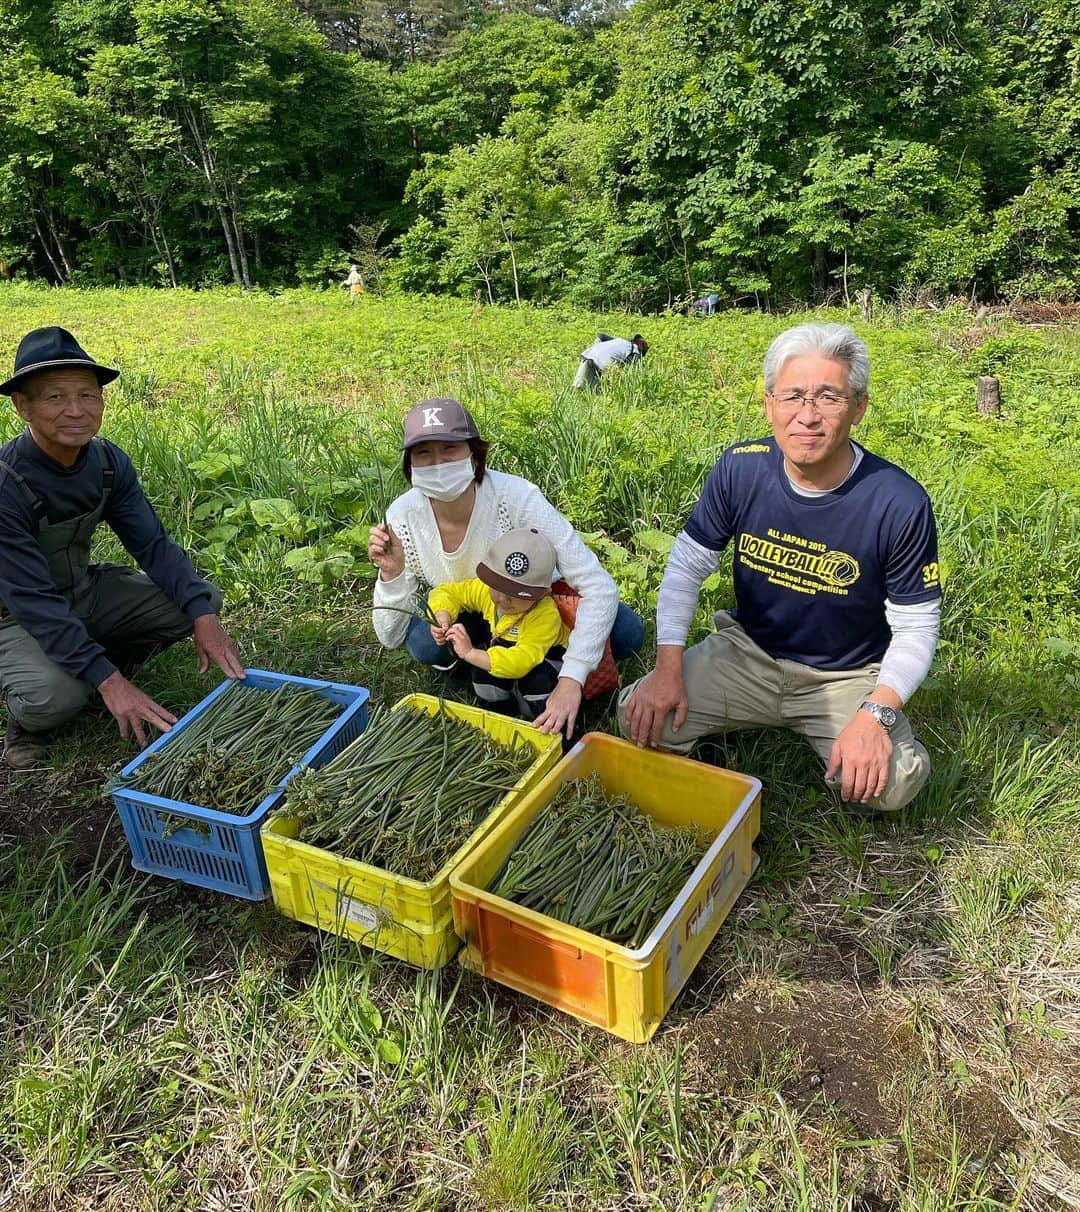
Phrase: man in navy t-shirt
(837, 588)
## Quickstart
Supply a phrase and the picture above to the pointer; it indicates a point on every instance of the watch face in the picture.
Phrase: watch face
(885, 716)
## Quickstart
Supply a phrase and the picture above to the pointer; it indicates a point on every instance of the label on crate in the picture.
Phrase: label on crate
(359, 913)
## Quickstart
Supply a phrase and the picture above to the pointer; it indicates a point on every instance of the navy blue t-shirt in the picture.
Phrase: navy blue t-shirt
(812, 573)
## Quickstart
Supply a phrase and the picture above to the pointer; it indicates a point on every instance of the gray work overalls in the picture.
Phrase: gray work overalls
(121, 609)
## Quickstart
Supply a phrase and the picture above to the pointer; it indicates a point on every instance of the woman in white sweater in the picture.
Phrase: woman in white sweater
(442, 528)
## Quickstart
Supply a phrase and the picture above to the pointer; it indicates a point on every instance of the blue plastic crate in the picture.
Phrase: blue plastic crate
(230, 857)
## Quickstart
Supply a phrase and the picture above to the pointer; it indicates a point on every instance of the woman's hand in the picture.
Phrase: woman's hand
(385, 551)
(439, 630)
(561, 709)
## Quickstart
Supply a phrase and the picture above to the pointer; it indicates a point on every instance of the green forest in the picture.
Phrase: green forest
(604, 154)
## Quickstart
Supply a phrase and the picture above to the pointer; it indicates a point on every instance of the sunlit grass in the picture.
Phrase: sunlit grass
(888, 1018)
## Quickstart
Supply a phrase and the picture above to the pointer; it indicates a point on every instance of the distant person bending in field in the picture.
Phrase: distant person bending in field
(69, 627)
(444, 526)
(706, 305)
(837, 592)
(606, 352)
(355, 283)
(504, 623)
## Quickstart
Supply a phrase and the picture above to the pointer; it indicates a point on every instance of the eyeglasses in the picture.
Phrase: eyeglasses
(824, 401)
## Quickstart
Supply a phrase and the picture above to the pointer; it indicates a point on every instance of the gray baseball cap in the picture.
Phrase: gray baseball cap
(438, 421)
(520, 563)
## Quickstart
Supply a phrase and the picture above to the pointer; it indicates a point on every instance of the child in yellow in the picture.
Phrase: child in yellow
(504, 623)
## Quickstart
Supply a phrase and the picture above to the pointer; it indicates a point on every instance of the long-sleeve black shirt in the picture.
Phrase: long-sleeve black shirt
(27, 589)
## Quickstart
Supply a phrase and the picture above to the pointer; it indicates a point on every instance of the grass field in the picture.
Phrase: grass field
(890, 1019)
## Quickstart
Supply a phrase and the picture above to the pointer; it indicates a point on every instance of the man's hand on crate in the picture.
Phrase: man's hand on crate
(212, 643)
(133, 709)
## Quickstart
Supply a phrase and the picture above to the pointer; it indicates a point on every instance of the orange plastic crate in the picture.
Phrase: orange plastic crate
(626, 992)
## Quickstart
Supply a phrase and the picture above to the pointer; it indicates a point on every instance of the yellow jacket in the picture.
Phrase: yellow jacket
(530, 634)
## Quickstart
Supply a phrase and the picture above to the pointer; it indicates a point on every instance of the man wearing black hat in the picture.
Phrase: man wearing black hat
(66, 626)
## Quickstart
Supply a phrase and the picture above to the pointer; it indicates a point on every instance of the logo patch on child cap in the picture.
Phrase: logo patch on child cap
(517, 564)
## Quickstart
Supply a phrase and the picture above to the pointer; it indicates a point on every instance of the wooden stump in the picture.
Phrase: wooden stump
(865, 300)
(988, 401)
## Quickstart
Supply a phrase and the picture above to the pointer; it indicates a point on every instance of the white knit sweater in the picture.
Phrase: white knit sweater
(503, 502)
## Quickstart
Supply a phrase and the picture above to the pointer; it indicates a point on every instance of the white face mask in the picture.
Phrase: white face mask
(444, 481)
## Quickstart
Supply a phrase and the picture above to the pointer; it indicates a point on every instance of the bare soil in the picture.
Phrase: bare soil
(847, 1054)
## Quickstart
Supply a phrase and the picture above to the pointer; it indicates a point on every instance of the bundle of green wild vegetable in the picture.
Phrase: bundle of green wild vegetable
(238, 750)
(407, 793)
(598, 863)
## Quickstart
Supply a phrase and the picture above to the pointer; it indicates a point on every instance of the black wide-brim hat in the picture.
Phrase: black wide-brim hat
(52, 349)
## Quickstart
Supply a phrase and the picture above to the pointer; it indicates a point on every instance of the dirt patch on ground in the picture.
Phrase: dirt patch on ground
(40, 804)
(841, 1053)
(835, 1050)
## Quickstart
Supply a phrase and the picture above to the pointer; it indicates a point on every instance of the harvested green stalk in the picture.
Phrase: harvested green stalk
(421, 611)
(384, 500)
(407, 793)
(600, 864)
(237, 751)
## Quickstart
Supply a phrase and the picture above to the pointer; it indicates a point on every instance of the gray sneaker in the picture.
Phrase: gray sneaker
(23, 749)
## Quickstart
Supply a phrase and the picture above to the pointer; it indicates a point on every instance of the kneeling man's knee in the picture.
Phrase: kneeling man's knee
(908, 772)
(50, 700)
(625, 695)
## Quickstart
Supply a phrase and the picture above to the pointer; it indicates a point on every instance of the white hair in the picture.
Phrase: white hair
(837, 341)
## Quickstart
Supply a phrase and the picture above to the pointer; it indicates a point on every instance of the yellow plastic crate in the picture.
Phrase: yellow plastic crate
(626, 992)
(391, 913)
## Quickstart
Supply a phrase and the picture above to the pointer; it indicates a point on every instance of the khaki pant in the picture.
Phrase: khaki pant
(123, 610)
(731, 683)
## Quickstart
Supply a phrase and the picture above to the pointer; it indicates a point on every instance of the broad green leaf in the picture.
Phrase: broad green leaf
(389, 1051)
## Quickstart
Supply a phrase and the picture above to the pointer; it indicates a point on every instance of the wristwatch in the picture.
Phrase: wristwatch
(885, 716)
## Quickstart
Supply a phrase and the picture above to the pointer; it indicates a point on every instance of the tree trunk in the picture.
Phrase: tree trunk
(161, 247)
(230, 243)
(170, 263)
(487, 280)
(820, 284)
(206, 163)
(59, 243)
(48, 252)
(238, 230)
(513, 259)
(988, 400)
(241, 248)
(410, 31)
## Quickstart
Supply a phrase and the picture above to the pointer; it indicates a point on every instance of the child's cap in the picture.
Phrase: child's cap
(521, 564)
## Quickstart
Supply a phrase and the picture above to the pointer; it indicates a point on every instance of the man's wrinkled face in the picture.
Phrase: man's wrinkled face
(811, 409)
(63, 409)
